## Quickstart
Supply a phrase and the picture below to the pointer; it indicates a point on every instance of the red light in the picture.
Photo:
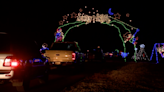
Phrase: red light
(73, 56)
(14, 63)
(8, 75)
(110, 54)
(9, 62)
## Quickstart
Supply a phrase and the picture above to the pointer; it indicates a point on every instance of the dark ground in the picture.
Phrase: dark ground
(113, 76)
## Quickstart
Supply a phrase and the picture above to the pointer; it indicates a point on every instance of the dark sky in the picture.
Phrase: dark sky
(39, 20)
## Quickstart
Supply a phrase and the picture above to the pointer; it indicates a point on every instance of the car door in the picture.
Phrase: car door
(28, 50)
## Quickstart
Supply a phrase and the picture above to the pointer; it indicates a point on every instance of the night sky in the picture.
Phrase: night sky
(39, 20)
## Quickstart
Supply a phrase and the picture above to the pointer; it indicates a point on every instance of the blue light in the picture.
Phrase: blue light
(137, 30)
(37, 60)
(154, 48)
(109, 11)
(124, 54)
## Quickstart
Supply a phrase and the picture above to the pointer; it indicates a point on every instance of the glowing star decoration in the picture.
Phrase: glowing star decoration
(66, 21)
(130, 20)
(73, 15)
(127, 14)
(89, 12)
(96, 10)
(59, 35)
(65, 17)
(117, 16)
(67, 14)
(109, 11)
(93, 12)
(61, 22)
(85, 6)
(80, 10)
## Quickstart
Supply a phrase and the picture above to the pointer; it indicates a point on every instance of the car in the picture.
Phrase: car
(64, 54)
(20, 60)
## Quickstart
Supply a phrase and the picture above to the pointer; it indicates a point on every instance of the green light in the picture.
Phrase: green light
(82, 23)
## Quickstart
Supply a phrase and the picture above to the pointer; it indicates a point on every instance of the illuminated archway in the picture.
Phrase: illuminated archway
(103, 19)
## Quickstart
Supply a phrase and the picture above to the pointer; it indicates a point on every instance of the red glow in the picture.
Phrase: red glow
(73, 56)
(14, 64)
(9, 62)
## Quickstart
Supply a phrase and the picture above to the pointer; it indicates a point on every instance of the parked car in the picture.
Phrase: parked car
(20, 60)
(64, 53)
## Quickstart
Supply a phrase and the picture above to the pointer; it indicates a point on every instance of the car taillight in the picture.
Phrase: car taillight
(9, 62)
(73, 56)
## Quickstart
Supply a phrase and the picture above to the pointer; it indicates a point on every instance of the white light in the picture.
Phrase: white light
(14, 64)
(142, 46)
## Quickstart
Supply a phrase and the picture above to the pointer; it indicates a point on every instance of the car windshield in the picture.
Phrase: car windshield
(63, 46)
(4, 43)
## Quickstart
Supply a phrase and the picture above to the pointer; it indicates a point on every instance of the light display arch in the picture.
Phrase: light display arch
(82, 19)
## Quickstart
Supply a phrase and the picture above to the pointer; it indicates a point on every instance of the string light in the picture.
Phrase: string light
(139, 55)
(103, 19)
(155, 49)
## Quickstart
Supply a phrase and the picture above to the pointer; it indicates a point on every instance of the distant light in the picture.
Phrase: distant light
(110, 54)
(142, 46)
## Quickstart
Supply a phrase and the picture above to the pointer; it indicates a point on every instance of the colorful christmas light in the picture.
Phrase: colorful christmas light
(103, 19)
(139, 55)
(155, 49)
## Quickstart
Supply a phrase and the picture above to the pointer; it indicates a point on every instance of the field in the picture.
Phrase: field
(129, 77)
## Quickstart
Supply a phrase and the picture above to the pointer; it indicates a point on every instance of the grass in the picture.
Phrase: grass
(133, 77)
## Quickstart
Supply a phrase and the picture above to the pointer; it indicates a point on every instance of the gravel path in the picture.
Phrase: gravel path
(133, 77)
